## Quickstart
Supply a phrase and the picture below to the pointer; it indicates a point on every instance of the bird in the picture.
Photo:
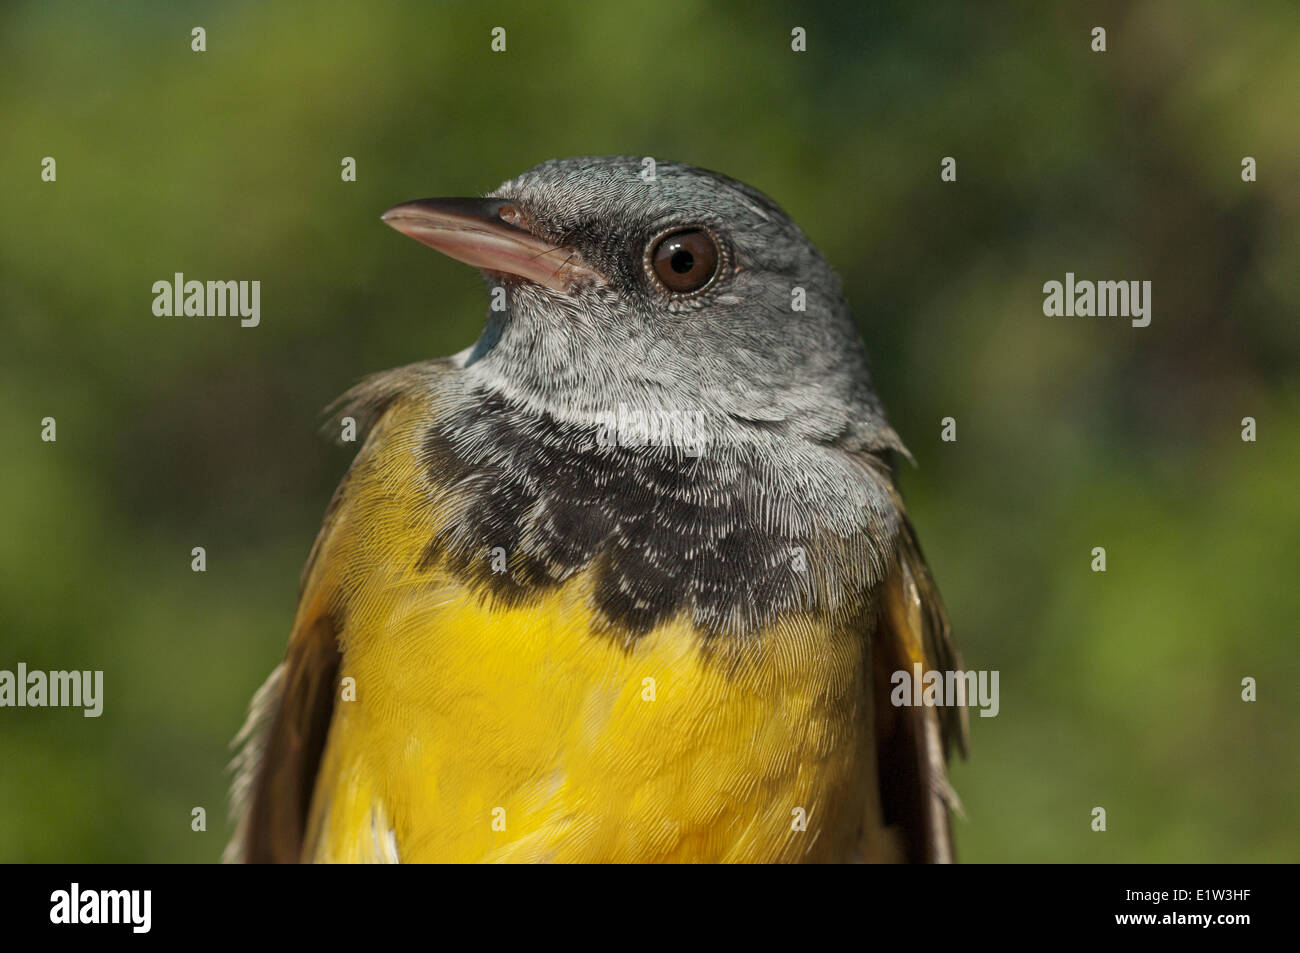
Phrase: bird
(624, 581)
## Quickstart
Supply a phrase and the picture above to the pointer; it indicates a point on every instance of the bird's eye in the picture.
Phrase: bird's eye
(685, 261)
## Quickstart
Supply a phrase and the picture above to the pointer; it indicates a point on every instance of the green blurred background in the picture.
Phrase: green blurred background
(1119, 690)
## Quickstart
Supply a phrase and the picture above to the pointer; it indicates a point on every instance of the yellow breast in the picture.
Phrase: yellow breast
(489, 734)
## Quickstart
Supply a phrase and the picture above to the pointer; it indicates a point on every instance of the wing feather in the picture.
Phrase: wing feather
(280, 746)
(913, 742)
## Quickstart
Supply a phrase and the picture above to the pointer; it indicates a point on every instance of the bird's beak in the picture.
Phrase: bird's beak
(480, 232)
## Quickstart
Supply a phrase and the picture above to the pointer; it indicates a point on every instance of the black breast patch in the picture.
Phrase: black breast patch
(531, 502)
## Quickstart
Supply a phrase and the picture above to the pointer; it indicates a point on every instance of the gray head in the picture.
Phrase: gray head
(663, 293)
(668, 300)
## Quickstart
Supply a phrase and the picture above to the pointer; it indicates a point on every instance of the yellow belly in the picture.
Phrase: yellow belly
(483, 734)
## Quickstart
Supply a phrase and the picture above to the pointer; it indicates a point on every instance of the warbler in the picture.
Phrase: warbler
(627, 580)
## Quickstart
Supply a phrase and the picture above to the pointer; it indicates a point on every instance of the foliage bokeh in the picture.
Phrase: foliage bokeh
(1119, 690)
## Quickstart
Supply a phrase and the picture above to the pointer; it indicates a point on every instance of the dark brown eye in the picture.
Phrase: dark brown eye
(685, 261)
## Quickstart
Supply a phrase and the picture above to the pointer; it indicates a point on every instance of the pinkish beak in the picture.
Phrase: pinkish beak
(474, 231)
